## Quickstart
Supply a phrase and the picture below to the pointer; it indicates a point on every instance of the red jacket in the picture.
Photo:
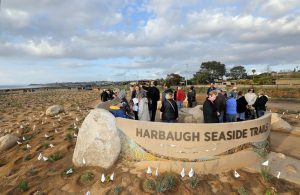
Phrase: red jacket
(180, 95)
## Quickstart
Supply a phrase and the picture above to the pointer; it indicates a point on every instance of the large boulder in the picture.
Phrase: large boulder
(98, 142)
(53, 110)
(191, 115)
(278, 124)
(8, 141)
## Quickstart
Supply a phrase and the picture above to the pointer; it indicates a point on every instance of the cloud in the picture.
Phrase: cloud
(150, 34)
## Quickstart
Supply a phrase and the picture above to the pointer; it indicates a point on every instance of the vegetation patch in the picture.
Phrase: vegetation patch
(116, 190)
(194, 182)
(69, 136)
(45, 144)
(243, 191)
(56, 156)
(265, 173)
(161, 184)
(23, 186)
(86, 177)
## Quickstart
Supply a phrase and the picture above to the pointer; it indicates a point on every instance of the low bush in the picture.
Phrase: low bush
(56, 156)
(23, 186)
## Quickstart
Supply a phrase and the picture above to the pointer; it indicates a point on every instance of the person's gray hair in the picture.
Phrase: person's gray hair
(122, 94)
(142, 94)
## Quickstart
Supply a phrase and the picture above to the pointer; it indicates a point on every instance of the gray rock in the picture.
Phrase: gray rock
(191, 115)
(53, 110)
(291, 169)
(98, 142)
(8, 141)
(278, 124)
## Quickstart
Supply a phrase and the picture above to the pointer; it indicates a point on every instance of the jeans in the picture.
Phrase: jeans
(179, 104)
(231, 117)
(221, 117)
(241, 116)
(190, 104)
(260, 113)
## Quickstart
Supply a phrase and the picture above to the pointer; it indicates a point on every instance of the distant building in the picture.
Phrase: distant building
(288, 81)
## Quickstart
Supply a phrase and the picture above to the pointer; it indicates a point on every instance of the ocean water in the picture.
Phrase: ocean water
(19, 86)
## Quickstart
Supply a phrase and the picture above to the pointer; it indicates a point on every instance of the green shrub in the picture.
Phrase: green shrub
(149, 185)
(23, 186)
(69, 137)
(265, 173)
(161, 184)
(243, 191)
(271, 191)
(86, 177)
(116, 190)
(194, 182)
(45, 144)
(56, 156)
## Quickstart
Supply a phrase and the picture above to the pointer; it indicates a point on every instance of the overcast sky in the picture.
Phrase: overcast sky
(44, 41)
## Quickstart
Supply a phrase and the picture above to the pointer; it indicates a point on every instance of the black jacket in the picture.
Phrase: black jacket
(104, 96)
(153, 93)
(210, 112)
(191, 96)
(169, 112)
(241, 104)
(220, 103)
(260, 103)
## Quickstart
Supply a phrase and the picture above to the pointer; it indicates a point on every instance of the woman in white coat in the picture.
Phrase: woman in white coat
(143, 111)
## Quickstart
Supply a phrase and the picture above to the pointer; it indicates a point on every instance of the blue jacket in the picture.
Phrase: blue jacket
(231, 107)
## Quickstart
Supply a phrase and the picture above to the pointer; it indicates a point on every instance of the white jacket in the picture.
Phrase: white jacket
(250, 98)
(143, 112)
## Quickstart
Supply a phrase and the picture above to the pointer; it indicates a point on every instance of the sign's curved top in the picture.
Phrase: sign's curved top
(193, 141)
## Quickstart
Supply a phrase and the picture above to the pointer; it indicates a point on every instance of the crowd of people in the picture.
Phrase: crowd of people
(220, 106)
(141, 103)
(233, 106)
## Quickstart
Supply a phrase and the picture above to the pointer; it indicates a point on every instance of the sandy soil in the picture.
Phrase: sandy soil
(20, 163)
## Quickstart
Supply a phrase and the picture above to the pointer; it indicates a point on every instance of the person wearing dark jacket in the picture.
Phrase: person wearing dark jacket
(191, 97)
(260, 103)
(169, 109)
(241, 106)
(220, 104)
(104, 96)
(209, 109)
(154, 96)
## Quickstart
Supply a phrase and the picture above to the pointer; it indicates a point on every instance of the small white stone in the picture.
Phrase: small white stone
(19, 143)
(40, 156)
(45, 158)
(149, 171)
(266, 163)
(46, 136)
(182, 173)
(191, 173)
(112, 176)
(70, 171)
(156, 172)
(28, 146)
(236, 174)
(278, 174)
(102, 178)
(51, 145)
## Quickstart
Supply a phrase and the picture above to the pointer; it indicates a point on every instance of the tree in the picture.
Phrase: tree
(209, 71)
(253, 72)
(174, 79)
(238, 72)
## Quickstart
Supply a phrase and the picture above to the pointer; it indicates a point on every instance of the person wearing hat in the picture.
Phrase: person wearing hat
(169, 109)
